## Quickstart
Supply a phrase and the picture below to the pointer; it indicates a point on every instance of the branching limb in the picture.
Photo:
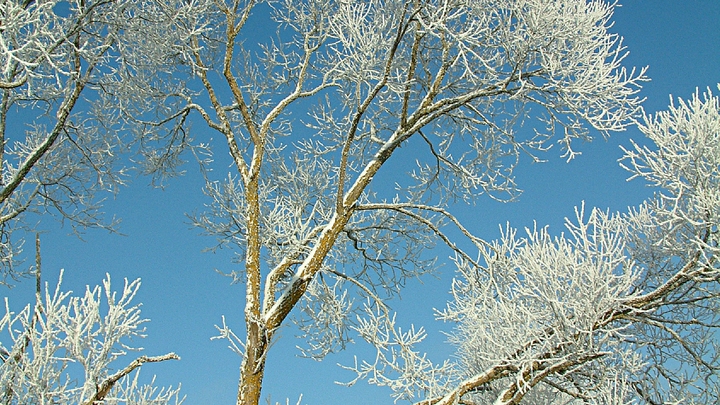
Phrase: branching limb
(232, 31)
(62, 116)
(454, 396)
(105, 387)
(341, 200)
(17, 83)
(405, 209)
(225, 127)
(684, 343)
(369, 292)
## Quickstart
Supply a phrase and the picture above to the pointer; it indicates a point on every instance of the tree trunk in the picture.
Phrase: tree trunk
(252, 369)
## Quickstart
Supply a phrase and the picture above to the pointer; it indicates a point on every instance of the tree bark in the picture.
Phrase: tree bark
(253, 365)
(252, 369)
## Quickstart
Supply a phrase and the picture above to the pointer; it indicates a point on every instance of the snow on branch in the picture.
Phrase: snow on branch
(65, 349)
(618, 309)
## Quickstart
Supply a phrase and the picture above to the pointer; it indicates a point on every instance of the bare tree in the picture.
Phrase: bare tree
(63, 349)
(622, 309)
(311, 116)
(56, 151)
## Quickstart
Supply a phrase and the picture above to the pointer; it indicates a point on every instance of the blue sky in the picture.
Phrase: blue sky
(184, 297)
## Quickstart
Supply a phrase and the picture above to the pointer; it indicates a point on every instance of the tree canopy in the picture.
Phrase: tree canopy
(309, 116)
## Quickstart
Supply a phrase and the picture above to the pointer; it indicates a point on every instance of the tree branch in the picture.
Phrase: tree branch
(104, 388)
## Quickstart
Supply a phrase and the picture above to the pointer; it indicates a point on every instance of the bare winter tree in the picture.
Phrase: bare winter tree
(57, 152)
(55, 155)
(311, 115)
(64, 349)
(621, 309)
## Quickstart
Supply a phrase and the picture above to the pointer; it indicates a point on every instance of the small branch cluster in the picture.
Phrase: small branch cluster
(63, 350)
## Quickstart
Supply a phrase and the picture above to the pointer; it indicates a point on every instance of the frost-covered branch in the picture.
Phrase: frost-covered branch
(586, 316)
(58, 154)
(407, 209)
(64, 332)
(108, 384)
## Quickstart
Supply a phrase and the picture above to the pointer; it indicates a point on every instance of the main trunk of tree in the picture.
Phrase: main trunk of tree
(252, 369)
(252, 372)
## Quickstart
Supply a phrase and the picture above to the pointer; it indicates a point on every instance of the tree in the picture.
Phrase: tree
(621, 309)
(58, 152)
(55, 154)
(64, 348)
(448, 81)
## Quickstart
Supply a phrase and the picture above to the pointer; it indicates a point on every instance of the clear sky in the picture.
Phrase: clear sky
(184, 297)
